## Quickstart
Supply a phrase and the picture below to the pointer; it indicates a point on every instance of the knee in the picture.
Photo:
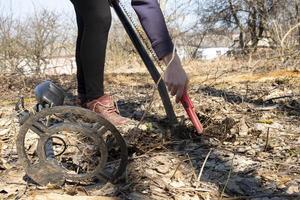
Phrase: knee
(99, 19)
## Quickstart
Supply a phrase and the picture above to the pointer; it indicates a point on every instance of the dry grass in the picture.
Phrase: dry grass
(267, 76)
(205, 72)
(235, 71)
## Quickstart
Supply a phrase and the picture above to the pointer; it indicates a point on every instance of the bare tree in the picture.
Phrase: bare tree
(11, 55)
(251, 19)
(43, 38)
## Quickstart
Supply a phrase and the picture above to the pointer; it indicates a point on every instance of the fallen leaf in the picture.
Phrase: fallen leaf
(53, 196)
(293, 189)
(4, 132)
(71, 191)
(265, 121)
(5, 122)
(177, 184)
(163, 169)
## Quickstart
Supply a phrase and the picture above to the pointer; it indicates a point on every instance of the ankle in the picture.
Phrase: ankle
(81, 100)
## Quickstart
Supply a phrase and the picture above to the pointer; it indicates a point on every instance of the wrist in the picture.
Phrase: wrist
(167, 58)
(171, 60)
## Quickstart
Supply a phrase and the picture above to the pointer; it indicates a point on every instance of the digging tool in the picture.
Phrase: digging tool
(190, 110)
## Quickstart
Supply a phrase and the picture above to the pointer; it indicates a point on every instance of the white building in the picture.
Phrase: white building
(212, 53)
(209, 53)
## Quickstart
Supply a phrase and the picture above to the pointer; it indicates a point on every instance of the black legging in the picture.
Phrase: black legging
(93, 21)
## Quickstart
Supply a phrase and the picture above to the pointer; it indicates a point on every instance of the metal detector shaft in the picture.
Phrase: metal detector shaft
(146, 59)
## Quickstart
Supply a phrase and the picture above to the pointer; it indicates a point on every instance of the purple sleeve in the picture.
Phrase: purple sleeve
(153, 22)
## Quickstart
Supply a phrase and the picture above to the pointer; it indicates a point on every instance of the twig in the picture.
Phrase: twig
(19, 196)
(182, 161)
(149, 106)
(84, 190)
(191, 163)
(288, 33)
(267, 108)
(264, 195)
(191, 189)
(176, 169)
(157, 146)
(282, 97)
(155, 88)
(267, 140)
(228, 177)
(203, 165)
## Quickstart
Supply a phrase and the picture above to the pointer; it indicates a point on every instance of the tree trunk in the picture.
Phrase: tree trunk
(298, 20)
(241, 40)
(238, 23)
(252, 23)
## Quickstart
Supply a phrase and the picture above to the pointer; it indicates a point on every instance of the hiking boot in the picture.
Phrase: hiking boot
(105, 107)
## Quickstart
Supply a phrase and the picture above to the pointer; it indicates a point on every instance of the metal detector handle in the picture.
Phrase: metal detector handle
(191, 112)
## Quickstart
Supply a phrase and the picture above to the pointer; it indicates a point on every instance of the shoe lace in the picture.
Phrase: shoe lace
(109, 109)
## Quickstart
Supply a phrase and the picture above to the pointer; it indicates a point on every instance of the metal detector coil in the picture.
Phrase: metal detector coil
(66, 143)
(84, 147)
(49, 93)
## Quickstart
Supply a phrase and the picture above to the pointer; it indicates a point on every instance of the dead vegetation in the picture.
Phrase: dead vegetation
(247, 100)
(250, 149)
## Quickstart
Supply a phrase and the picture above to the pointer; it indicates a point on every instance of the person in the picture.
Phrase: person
(93, 21)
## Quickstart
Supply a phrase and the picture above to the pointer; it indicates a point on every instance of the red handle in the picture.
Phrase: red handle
(190, 110)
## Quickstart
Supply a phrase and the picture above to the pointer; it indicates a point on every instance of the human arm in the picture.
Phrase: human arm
(153, 22)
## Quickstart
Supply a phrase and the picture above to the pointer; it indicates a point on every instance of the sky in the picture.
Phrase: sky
(22, 8)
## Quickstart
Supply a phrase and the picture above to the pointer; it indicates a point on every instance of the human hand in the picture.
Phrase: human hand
(175, 77)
